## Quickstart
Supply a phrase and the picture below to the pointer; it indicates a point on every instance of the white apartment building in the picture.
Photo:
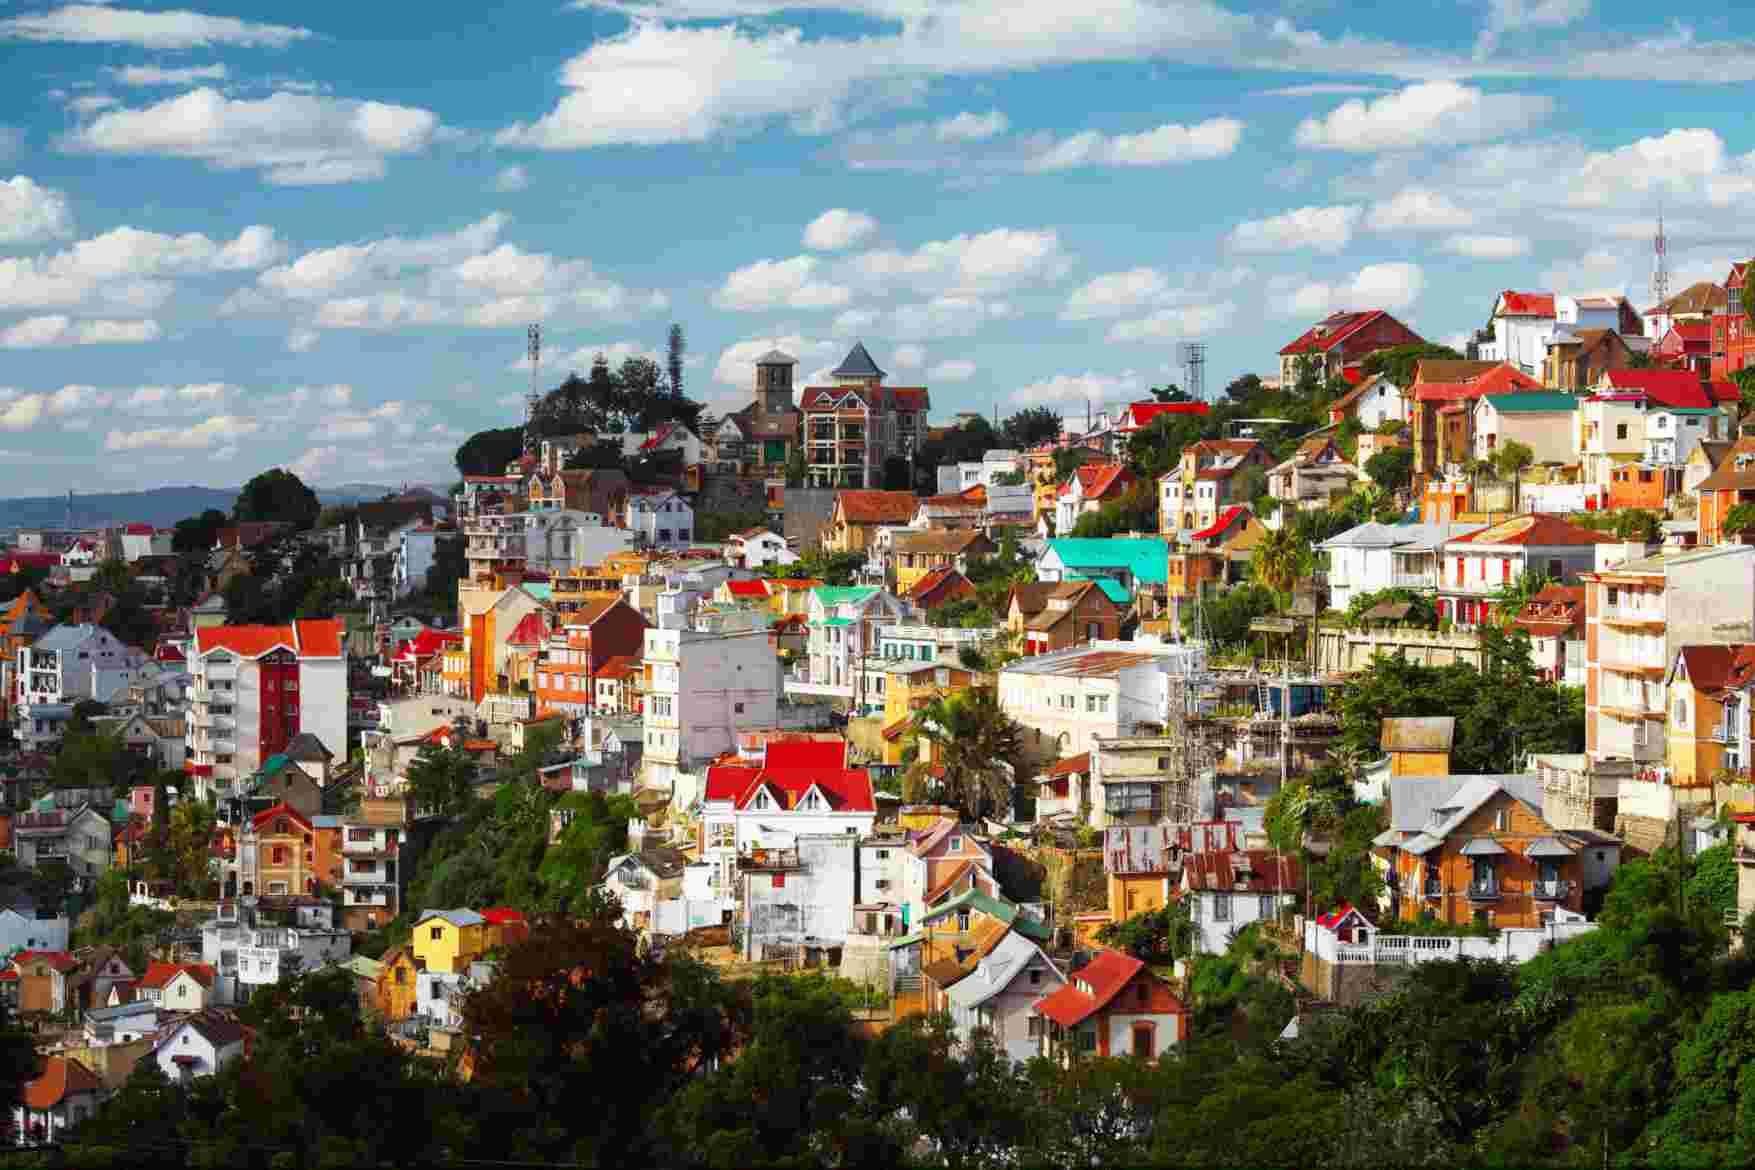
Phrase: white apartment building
(256, 687)
(65, 665)
(1522, 324)
(843, 631)
(1069, 699)
(660, 517)
(985, 472)
(702, 688)
(1373, 557)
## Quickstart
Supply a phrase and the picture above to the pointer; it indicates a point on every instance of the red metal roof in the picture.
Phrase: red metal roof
(1079, 765)
(1540, 530)
(308, 639)
(747, 588)
(1331, 331)
(501, 915)
(1675, 388)
(59, 960)
(280, 810)
(61, 1078)
(1099, 480)
(1139, 415)
(1521, 304)
(531, 630)
(1105, 975)
(1225, 520)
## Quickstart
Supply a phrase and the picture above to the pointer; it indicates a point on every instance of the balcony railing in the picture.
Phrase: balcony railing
(1484, 890)
(1554, 890)
(770, 860)
(1432, 888)
(1409, 580)
(1722, 734)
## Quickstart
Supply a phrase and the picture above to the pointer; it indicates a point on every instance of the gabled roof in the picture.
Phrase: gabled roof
(1531, 402)
(307, 748)
(1677, 388)
(1413, 800)
(1147, 558)
(1538, 531)
(874, 507)
(502, 916)
(1072, 765)
(953, 542)
(996, 969)
(1105, 975)
(832, 595)
(218, 1029)
(62, 1077)
(1711, 668)
(1226, 518)
(1097, 481)
(1700, 297)
(1260, 871)
(753, 588)
(307, 639)
(1031, 597)
(59, 960)
(775, 358)
(1726, 474)
(457, 918)
(530, 630)
(1339, 915)
(1525, 304)
(1331, 331)
(280, 810)
(996, 908)
(1139, 415)
(857, 364)
(1449, 370)
(935, 580)
(1556, 611)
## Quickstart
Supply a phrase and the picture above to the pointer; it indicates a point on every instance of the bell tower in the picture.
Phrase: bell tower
(774, 382)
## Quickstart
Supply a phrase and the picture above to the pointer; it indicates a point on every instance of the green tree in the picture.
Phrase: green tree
(324, 599)
(967, 1100)
(489, 452)
(1391, 469)
(442, 779)
(278, 494)
(980, 747)
(190, 839)
(198, 533)
(796, 470)
(1225, 617)
(1397, 363)
(1281, 558)
(1510, 461)
(1029, 427)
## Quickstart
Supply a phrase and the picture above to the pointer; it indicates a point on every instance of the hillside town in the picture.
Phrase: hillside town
(1084, 736)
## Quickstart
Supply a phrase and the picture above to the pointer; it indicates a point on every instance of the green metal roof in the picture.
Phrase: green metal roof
(1686, 410)
(541, 590)
(839, 594)
(1112, 589)
(1531, 402)
(1007, 912)
(1147, 558)
(834, 622)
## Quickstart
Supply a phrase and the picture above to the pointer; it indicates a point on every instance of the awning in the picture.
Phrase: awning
(1387, 837)
(1483, 847)
(1548, 847)
(1420, 844)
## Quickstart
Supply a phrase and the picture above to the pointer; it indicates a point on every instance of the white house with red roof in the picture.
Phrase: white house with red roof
(1088, 489)
(1227, 890)
(755, 547)
(1477, 565)
(1619, 417)
(256, 687)
(1193, 493)
(1341, 340)
(1112, 1006)
(1522, 324)
(198, 1045)
(143, 540)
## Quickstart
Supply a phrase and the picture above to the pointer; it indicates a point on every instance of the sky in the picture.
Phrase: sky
(229, 243)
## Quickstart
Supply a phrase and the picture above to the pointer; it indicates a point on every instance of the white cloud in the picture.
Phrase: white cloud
(837, 229)
(1508, 15)
(1323, 229)
(1598, 270)
(294, 139)
(57, 330)
(30, 213)
(851, 322)
(971, 127)
(1077, 390)
(160, 400)
(393, 419)
(1414, 209)
(1320, 89)
(1114, 293)
(153, 75)
(93, 24)
(311, 466)
(737, 362)
(1169, 143)
(1488, 247)
(1175, 324)
(946, 316)
(513, 178)
(954, 370)
(1001, 258)
(20, 411)
(908, 357)
(774, 284)
(125, 269)
(302, 340)
(87, 104)
(1389, 286)
(1432, 113)
(217, 430)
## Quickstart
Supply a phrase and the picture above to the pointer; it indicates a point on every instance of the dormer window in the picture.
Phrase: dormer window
(761, 801)
(813, 800)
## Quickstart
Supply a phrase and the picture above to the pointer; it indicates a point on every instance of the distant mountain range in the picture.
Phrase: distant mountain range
(161, 507)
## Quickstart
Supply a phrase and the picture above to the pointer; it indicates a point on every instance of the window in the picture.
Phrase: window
(1035, 978)
(1620, 430)
(738, 708)
(1221, 907)
(962, 922)
(1614, 595)
(1502, 821)
(956, 844)
(1035, 1025)
(438, 933)
(779, 881)
(1556, 568)
(1087, 1039)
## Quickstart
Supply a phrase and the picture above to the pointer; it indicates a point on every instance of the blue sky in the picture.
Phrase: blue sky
(312, 236)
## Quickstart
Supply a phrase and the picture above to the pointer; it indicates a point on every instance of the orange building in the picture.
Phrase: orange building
(597, 633)
(1632, 485)
(276, 854)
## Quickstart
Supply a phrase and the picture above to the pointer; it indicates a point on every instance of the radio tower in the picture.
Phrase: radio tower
(1194, 363)
(1660, 274)
(534, 399)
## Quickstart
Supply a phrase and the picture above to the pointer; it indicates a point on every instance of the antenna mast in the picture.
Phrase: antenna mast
(1660, 276)
(1194, 363)
(534, 400)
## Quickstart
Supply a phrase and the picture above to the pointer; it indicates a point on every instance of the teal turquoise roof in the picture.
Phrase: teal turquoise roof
(541, 590)
(1531, 402)
(834, 622)
(831, 595)
(1007, 912)
(1686, 410)
(1148, 558)
(1112, 589)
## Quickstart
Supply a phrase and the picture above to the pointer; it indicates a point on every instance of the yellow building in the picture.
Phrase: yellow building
(918, 553)
(449, 940)
(396, 983)
(791, 595)
(907, 687)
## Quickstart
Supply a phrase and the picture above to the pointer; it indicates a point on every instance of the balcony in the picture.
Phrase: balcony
(1409, 580)
(1722, 734)
(1484, 890)
(1551, 890)
(770, 860)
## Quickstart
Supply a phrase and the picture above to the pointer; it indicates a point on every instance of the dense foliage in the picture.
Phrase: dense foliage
(278, 494)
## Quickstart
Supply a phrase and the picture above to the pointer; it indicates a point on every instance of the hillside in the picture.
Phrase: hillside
(161, 506)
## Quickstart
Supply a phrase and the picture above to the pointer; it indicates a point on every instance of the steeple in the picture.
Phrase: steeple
(857, 366)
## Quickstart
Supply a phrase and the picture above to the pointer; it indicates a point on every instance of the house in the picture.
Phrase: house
(1705, 684)
(939, 587)
(1067, 699)
(1733, 337)
(1701, 463)
(1112, 1006)
(398, 975)
(1000, 995)
(965, 509)
(843, 626)
(852, 428)
(43, 980)
(1479, 564)
(1139, 416)
(642, 879)
(755, 548)
(63, 666)
(1554, 620)
(986, 472)
(660, 518)
(595, 491)
(1315, 474)
(1578, 357)
(1340, 341)
(1441, 419)
(1372, 557)
(448, 940)
(1227, 890)
(759, 439)
(1477, 849)
(79, 836)
(198, 1045)
(1192, 494)
(1133, 563)
(1374, 401)
(1541, 420)
(858, 515)
(937, 864)
(1087, 490)
(1730, 483)
(1138, 861)
(275, 854)
(702, 688)
(916, 554)
(1687, 345)
(1521, 324)
(63, 1094)
(574, 653)
(255, 688)
(1614, 418)
(1699, 303)
(908, 685)
(1073, 612)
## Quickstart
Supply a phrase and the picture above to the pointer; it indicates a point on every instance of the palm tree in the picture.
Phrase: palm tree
(1512, 596)
(1510, 461)
(979, 746)
(1475, 469)
(1280, 558)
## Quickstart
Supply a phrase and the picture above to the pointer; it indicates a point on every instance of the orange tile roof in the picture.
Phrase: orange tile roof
(280, 810)
(61, 1078)
(308, 639)
(1540, 530)
(871, 507)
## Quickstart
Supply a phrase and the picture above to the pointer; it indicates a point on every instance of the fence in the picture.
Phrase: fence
(1516, 944)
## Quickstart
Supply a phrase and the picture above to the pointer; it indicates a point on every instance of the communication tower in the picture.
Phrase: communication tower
(1193, 355)
(534, 399)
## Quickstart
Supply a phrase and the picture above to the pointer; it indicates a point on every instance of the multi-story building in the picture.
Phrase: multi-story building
(1578, 357)
(576, 651)
(1088, 489)
(256, 687)
(915, 554)
(78, 837)
(759, 439)
(986, 472)
(701, 688)
(1695, 305)
(1733, 338)
(1441, 417)
(1192, 494)
(1342, 340)
(1057, 615)
(859, 516)
(65, 665)
(660, 518)
(274, 853)
(374, 870)
(1617, 418)
(1067, 700)
(1310, 480)
(1521, 325)
(1729, 483)
(1480, 564)
(488, 494)
(490, 616)
(1706, 685)
(853, 426)
(1540, 420)
(842, 634)
(1554, 620)
(1373, 557)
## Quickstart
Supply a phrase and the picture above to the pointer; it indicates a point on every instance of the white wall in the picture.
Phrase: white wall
(717, 684)
(1121, 1033)
(1212, 936)
(322, 703)
(189, 1041)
